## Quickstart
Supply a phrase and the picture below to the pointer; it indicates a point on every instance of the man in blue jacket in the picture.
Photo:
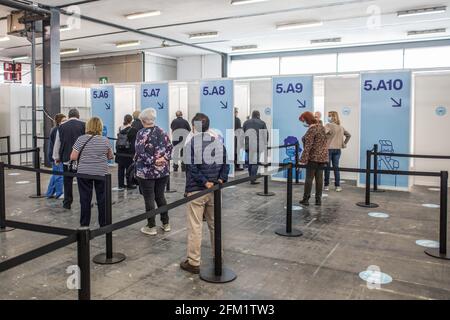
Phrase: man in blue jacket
(206, 166)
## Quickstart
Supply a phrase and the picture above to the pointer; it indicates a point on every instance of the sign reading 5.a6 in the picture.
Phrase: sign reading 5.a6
(100, 94)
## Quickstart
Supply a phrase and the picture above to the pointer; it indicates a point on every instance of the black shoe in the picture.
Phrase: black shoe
(186, 266)
(131, 187)
(304, 202)
(67, 206)
(255, 182)
(318, 202)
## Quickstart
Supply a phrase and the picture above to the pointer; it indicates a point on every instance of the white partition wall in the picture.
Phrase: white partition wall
(342, 94)
(124, 103)
(193, 98)
(178, 100)
(431, 124)
(261, 99)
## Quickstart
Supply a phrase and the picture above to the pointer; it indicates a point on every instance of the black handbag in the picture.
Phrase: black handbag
(73, 164)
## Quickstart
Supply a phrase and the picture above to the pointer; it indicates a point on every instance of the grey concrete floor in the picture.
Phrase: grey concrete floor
(340, 241)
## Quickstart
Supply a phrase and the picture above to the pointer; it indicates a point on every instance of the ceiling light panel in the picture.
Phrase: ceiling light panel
(430, 31)
(203, 35)
(242, 2)
(141, 15)
(128, 44)
(422, 11)
(299, 25)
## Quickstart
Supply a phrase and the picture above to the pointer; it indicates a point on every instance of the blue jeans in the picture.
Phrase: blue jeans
(334, 156)
(55, 186)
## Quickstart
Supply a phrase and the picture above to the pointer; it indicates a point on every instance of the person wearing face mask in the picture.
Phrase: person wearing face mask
(314, 156)
(335, 136)
(318, 117)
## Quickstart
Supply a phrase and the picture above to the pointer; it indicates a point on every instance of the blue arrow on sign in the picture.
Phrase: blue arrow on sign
(108, 106)
(224, 105)
(397, 104)
(302, 104)
(160, 106)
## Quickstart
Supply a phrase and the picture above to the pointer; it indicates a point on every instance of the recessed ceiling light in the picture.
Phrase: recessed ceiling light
(239, 2)
(128, 44)
(242, 48)
(299, 25)
(429, 31)
(329, 40)
(20, 58)
(203, 35)
(140, 15)
(422, 11)
(69, 51)
(4, 38)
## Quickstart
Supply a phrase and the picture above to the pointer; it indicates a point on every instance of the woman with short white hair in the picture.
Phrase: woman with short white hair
(153, 155)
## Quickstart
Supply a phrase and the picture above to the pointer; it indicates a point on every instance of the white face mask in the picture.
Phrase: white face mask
(330, 119)
(305, 125)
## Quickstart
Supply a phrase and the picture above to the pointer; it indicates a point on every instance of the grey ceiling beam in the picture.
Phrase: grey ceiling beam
(23, 6)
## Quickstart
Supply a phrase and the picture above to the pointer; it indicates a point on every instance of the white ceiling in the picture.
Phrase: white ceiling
(347, 19)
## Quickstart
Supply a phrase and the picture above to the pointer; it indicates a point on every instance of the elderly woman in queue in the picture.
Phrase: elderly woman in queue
(152, 158)
(92, 151)
(314, 156)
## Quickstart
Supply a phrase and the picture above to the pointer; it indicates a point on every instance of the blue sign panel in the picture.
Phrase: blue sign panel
(291, 97)
(156, 96)
(386, 121)
(102, 100)
(217, 102)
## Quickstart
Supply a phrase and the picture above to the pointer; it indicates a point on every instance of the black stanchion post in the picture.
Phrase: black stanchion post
(3, 227)
(288, 231)
(109, 257)
(297, 169)
(442, 253)
(37, 165)
(218, 273)
(168, 188)
(375, 169)
(84, 264)
(367, 203)
(8, 148)
(266, 192)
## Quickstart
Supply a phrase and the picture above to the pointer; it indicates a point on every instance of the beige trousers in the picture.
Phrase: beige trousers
(196, 210)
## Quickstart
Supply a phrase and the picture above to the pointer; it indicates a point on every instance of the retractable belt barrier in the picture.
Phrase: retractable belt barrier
(218, 273)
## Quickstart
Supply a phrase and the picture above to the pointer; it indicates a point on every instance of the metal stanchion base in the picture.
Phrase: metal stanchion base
(364, 205)
(268, 194)
(37, 197)
(293, 234)
(377, 191)
(116, 258)
(436, 254)
(208, 274)
(7, 229)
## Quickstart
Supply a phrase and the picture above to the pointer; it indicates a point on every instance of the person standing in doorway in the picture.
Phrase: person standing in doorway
(255, 126)
(237, 126)
(56, 184)
(318, 117)
(67, 135)
(125, 147)
(336, 142)
(182, 125)
(314, 156)
(137, 123)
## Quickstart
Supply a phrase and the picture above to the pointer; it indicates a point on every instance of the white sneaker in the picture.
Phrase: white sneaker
(149, 231)
(338, 189)
(326, 188)
(166, 227)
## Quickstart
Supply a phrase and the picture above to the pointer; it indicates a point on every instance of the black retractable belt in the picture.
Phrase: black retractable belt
(109, 257)
(288, 231)
(442, 253)
(218, 273)
(3, 227)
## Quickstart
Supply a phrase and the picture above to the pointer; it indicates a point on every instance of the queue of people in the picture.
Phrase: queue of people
(144, 152)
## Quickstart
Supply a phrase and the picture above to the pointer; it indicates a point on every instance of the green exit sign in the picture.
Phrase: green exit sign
(103, 80)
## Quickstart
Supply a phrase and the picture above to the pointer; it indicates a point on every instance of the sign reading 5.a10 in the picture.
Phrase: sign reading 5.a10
(214, 91)
(100, 94)
(386, 85)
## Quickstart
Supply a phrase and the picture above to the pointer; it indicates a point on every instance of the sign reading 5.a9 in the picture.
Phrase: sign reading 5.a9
(100, 94)
(289, 88)
(214, 91)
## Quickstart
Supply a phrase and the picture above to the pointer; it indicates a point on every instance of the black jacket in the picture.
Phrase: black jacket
(69, 132)
(180, 123)
(257, 125)
(206, 170)
(137, 124)
(131, 135)
(237, 123)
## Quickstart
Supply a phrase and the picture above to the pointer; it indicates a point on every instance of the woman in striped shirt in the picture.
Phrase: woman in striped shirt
(92, 151)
